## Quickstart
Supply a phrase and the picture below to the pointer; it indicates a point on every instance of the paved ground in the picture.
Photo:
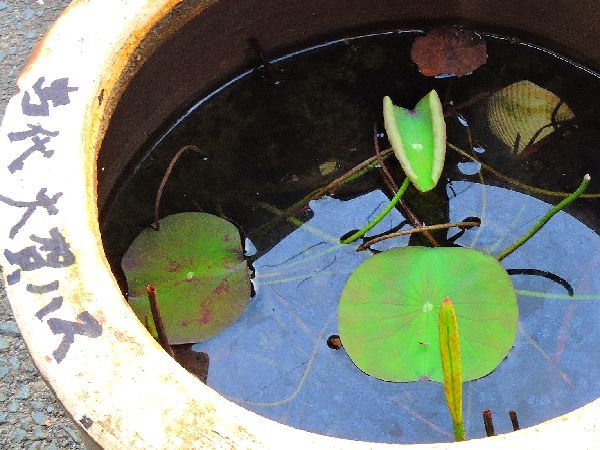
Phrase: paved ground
(30, 418)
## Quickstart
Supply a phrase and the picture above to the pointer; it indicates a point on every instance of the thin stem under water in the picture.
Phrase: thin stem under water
(360, 233)
(356, 172)
(165, 178)
(391, 184)
(582, 187)
(517, 183)
(422, 229)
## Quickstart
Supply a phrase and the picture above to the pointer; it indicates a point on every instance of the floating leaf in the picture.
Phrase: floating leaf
(197, 263)
(448, 51)
(388, 313)
(418, 138)
(524, 113)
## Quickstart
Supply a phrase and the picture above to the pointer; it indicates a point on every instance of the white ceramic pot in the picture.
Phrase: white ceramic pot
(108, 372)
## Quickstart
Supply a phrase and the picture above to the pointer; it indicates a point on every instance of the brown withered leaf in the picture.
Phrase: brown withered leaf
(449, 50)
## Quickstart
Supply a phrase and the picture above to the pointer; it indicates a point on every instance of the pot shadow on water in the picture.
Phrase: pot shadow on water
(268, 146)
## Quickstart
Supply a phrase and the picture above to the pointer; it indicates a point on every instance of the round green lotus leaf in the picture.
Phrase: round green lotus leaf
(389, 310)
(196, 261)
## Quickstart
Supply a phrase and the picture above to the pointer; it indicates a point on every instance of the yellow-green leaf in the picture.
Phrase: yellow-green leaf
(451, 367)
(389, 312)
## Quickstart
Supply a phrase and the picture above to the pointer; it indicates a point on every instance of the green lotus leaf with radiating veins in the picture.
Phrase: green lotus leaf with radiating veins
(196, 261)
(418, 138)
(389, 309)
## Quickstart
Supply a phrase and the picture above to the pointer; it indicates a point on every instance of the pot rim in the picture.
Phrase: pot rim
(108, 372)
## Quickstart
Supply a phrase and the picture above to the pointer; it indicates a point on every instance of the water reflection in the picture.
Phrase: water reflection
(275, 359)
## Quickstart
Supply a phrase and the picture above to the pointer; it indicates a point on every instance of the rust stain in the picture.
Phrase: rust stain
(174, 266)
(206, 315)
(135, 347)
(194, 417)
(100, 317)
(222, 287)
(123, 337)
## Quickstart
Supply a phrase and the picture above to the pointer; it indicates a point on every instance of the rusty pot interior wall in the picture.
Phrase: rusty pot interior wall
(212, 45)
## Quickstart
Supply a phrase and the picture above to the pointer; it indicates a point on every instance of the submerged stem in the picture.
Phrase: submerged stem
(517, 183)
(391, 184)
(381, 215)
(387, 175)
(582, 187)
(165, 178)
(422, 229)
(356, 172)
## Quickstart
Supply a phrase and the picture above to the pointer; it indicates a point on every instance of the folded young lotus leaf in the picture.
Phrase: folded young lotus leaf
(196, 261)
(418, 138)
(389, 309)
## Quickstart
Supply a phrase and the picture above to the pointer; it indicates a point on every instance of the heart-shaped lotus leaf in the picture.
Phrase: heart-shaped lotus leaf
(418, 138)
(389, 309)
(196, 261)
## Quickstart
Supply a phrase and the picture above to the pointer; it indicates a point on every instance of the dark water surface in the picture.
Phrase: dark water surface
(268, 145)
